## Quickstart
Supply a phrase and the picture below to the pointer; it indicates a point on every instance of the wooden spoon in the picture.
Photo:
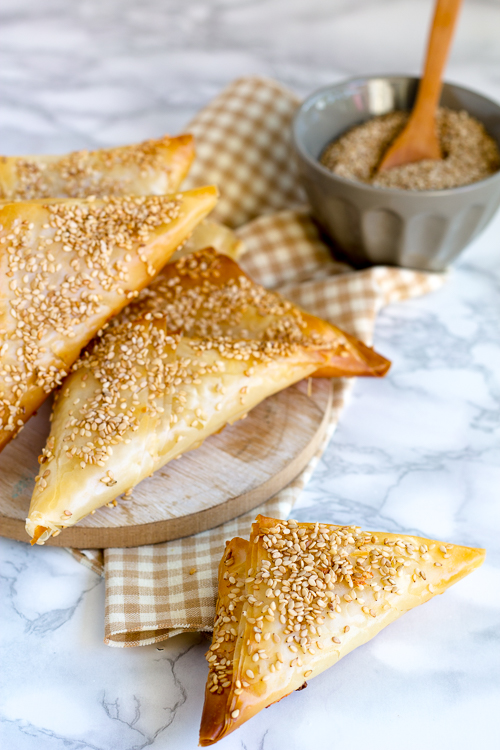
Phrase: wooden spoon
(419, 139)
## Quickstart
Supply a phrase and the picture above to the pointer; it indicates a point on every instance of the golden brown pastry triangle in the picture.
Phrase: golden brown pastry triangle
(154, 167)
(207, 293)
(141, 397)
(66, 267)
(298, 597)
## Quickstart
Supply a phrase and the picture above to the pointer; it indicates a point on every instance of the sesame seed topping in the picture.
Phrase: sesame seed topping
(139, 369)
(93, 174)
(300, 571)
(192, 296)
(49, 299)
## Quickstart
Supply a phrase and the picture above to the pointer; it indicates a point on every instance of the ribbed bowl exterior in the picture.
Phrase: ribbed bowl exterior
(371, 225)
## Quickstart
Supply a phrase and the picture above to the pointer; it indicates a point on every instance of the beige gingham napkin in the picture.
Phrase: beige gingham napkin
(243, 145)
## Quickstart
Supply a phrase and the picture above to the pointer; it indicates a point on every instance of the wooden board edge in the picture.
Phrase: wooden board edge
(176, 528)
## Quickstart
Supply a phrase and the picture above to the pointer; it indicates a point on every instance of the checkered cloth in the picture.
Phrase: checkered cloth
(155, 592)
(243, 145)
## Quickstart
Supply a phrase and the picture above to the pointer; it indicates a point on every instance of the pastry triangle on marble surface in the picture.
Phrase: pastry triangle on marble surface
(66, 267)
(140, 397)
(298, 597)
(154, 167)
(207, 293)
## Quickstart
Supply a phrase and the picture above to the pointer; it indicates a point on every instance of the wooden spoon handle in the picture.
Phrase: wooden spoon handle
(418, 140)
(443, 26)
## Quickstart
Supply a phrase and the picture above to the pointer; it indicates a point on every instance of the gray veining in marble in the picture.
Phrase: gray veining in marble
(416, 452)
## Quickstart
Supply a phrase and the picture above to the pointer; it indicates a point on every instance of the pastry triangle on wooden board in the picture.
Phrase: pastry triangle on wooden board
(154, 167)
(298, 597)
(66, 267)
(140, 397)
(261, 342)
(207, 293)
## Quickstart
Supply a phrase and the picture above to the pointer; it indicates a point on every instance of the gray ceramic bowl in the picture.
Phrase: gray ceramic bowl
(416, 229)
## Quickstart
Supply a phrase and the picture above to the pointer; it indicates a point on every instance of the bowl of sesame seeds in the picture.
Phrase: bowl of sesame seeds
(419, 215)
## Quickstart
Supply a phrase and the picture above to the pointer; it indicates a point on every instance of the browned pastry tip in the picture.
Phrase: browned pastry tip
(351, 357)
(39, 530)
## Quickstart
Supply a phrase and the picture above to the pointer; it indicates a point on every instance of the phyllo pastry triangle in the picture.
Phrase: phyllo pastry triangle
(298, 597)
(142, 396)
(154, 167)
(208, 294)
(66, 267)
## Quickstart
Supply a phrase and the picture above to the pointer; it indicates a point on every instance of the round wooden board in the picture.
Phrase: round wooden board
(230, 474)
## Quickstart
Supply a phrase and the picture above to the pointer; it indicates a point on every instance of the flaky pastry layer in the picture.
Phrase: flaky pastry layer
(211, 234)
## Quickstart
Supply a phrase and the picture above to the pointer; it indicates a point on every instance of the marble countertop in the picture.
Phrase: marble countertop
(416, 452)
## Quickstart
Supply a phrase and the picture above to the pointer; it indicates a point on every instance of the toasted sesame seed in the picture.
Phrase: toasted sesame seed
(47, 297)
(470, 153)
(90, 174)
(300, 567)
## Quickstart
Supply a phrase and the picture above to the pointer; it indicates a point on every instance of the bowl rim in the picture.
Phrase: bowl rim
(316, 164)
